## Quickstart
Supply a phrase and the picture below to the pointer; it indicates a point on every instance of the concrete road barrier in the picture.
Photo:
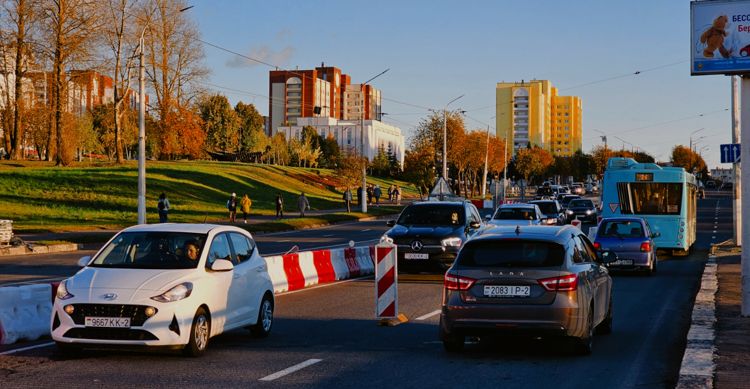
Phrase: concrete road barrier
(24, 312)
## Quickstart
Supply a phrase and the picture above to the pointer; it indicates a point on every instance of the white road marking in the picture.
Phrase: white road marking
(367, 229)
(290, 370)
(328, 235)
(429, 315)
(713, 237)
(18, 350)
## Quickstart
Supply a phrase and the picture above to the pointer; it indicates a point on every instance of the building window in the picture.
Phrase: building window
(349, 136)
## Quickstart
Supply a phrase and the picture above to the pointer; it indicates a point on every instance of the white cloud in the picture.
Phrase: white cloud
(264, 54)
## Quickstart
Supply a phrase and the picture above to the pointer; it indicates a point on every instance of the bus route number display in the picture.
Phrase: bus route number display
(644, 176)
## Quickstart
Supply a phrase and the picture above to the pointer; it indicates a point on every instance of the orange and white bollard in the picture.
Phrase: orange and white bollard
(386, 285)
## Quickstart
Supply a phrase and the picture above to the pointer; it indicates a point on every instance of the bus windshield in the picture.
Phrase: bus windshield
(650, 198)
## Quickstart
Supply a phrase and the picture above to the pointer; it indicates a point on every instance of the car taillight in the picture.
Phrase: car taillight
(560, 284)
(597, 245)
(454, 282)
(646, 246)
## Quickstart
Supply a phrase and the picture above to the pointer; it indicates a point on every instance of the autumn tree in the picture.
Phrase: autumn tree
(250, 123)
(419, 167)
(122, 40)
(429, 133)
(532, 161)
(380, 164)
(600, 156)
(174, 59)
(37, 122)
(103, 122)
(685, 158)
(221, 123)
(19, 19)
(349, 170)
(330, 152)
(71, 28)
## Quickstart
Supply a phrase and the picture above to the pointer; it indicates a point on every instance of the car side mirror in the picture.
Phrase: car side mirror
(390, 223)
(607, 256)
(656, 234)
(84, 261)
(222, 265)
(475, 225)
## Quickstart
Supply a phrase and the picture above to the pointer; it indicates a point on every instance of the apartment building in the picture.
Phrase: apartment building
(531, 113)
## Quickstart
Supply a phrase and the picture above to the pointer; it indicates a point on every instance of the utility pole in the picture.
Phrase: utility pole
(745, 166)
(141, 137)
(445, 138)
(486, 156)
(736, 191)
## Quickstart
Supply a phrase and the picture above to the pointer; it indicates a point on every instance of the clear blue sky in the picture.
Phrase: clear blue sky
(438, 50)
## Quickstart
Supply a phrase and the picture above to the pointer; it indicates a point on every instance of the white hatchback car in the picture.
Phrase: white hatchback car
(173, 285)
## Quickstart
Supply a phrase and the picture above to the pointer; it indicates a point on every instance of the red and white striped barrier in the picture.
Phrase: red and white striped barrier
(299, 270)
(386, 281)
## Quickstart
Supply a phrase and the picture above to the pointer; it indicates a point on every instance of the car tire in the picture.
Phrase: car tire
(605, 327)
(262, 327)
(453, 343)
(584, 345)
(200, 332)
(68, 350)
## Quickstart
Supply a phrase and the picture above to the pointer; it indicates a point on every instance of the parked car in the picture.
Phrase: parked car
(516, 214)
(631, 238)
(552, 211)
(174, 285)
(583, 210)
(544, 192)
(539, 281)
(429, 234)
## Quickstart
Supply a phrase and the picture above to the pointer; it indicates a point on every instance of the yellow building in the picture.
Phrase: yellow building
(531, 112)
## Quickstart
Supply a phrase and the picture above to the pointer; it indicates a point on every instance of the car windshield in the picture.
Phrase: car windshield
(621, 229)
(515, 214)
(582, 204)
(152, 250)
(433, 215)
(547, 207)
(510, 253)
(568, 199)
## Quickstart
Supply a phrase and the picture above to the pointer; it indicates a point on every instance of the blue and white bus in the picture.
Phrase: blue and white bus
(664, 196)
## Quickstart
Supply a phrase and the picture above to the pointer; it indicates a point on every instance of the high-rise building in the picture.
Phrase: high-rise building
(322, 92)
(531, 113)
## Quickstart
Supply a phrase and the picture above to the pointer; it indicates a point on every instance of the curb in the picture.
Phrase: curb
(39, 249)
(698, 362)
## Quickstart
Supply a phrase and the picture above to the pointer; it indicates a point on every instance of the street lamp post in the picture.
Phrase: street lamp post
(363, 198)
(445, 137)
(141, 135)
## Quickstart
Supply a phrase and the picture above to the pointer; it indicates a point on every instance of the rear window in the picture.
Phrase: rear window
(433, 215)
(621, 229)
(582, 203)
(547, 207)
(515, 214)
(511, 253)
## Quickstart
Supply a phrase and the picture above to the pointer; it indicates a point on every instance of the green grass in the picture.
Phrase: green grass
(39, 197)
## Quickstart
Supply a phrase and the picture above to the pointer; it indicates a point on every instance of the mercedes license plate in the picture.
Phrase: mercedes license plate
(622, 262)
(507, 291)
(417, 256)
(111, 322)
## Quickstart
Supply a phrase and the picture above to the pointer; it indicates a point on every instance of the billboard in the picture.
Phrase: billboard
(719, 37)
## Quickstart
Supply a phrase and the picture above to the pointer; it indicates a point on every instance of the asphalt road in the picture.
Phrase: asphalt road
(331, 331)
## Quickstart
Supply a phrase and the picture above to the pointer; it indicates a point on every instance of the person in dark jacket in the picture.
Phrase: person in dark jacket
(163, 207)
(279, 206)
(232, 207)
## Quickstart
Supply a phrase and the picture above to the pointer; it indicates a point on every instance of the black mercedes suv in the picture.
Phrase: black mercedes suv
(429, 234)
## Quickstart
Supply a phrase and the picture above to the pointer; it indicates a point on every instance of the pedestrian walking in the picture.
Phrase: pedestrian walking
(360, 196)
(302, 204)
(390, 193)
(163, 207)
(279, 206)
(245, 205)
(397, 194)
(232, 207)
(369, 194)
(348, 199)
(377, 192)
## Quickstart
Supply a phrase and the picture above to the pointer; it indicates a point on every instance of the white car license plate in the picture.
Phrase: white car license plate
(417, 256)
(623, 262)
(111, 322)
(507, 291)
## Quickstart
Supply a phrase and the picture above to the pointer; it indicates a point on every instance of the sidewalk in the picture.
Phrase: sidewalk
(732, 330)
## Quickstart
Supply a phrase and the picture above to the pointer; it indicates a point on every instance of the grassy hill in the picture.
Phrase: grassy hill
(38, 196)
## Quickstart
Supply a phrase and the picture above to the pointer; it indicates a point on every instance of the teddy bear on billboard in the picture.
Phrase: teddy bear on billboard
(713, 38)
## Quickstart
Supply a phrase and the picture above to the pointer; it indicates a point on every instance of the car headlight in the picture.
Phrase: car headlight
(451, 242)
(177, 293)
(588, 212)
(62, 291)
(386, 239)
(569, 212)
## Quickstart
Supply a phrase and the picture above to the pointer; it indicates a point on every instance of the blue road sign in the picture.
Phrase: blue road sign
(730, 153)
